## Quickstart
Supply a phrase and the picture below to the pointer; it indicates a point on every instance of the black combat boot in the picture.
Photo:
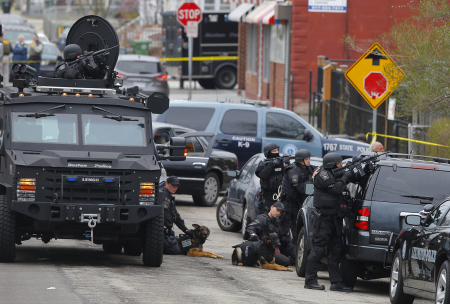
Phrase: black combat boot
(315, 286)
(340, 286)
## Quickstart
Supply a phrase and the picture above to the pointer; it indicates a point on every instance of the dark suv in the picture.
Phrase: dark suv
(397, 188)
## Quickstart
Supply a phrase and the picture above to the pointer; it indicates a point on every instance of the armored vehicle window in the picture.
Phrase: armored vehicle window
(60, 128)
(194, 118)
(283, 126)
(109, 131)
(239, 122)
(139, 67)
(411, 186)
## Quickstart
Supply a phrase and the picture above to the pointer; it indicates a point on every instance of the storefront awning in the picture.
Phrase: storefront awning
(240, 11)
(264, 13)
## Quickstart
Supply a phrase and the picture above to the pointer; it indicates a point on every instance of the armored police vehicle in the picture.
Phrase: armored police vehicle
(77, 157)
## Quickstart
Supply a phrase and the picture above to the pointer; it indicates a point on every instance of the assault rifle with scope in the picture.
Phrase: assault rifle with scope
(356, 164)
(90, 57)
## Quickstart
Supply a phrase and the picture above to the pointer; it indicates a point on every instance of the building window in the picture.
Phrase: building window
(252, 47)
(266, 62)
(277, 43)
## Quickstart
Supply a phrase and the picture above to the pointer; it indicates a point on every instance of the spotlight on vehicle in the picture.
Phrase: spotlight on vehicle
(26, 69)
(15, 68)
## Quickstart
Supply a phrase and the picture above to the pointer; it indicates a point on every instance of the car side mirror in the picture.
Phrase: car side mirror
(307, 135)
(413, 220)
(232, 173)
(177, 149)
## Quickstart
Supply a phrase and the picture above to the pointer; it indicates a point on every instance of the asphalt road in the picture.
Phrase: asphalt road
(68, 271)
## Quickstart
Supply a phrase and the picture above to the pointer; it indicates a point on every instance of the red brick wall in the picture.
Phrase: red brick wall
(276, 84)
(316, 34)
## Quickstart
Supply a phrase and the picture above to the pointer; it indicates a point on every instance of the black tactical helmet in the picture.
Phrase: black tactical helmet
(270, 147)
(71, 51)
(331, 159)
(301, 155)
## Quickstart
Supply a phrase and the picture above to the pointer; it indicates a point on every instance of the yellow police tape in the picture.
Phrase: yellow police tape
(210, 58)
(375, 134)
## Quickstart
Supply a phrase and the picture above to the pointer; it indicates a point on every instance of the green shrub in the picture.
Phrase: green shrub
(439, 133)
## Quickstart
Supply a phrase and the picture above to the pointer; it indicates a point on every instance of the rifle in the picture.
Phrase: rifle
(90, 56)
(355, 164)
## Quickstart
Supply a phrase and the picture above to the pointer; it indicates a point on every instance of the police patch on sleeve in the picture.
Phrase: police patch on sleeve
(324, 175)
(166, 203)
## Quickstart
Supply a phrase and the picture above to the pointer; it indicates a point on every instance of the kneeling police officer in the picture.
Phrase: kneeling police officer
(268, 222)
(330, 203)
(172, 216)
(294, 183)
(271, 172)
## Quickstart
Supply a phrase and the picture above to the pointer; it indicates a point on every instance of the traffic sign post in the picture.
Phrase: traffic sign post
(189, 15)
(370, 77)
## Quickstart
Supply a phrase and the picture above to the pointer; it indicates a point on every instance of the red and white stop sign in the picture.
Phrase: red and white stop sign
(189, 11)
(375, 84)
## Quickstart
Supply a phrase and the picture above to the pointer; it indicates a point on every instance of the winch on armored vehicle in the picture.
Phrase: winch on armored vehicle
(77, 157)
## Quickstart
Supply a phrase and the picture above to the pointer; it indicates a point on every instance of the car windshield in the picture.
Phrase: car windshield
(411, 186)
(113, 131)
(58, 128)
(12, 35)
(139, 67)
(51, 49)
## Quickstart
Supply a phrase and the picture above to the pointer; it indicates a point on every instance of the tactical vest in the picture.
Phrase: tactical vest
(327, 203)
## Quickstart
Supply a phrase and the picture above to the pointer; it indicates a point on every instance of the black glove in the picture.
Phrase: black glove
(253, 238)
(190, 233)
(369, 168)
(348, 174)
(278, 162)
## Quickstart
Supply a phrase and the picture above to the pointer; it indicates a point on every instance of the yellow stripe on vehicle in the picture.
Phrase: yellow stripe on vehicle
(210, 58)
(375, 134)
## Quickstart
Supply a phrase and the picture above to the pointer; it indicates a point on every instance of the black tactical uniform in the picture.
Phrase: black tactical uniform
(271, 172)
(293, 189)
(328, 199)
(264, 223)
(171, 216)
(84, 68)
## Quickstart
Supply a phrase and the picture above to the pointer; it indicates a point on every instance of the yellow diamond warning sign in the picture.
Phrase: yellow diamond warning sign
(375, 76)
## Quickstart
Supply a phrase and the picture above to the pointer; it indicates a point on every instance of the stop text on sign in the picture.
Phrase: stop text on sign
(189, 14)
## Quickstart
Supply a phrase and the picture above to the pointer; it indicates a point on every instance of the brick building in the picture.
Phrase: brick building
(312, 34)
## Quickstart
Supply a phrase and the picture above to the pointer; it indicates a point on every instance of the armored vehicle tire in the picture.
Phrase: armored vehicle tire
(207, 83)
(112, 247)
(223, 221)
(349, 271)
(442, 295)
(226, 78)
(132, 248)
(396, 294)
(7, 232)
(302, 254)
(153, 242)
(212, 188)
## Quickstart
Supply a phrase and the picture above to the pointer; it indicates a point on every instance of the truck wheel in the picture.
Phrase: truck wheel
(212, 188)
(7, 232)
(154, 242)
(443, 284)
(225, 223)
(245, 221)
(396, 294)
(132, 248)
(226, 78)
(207, 83)
(349, 271)
(302, 254)
(112, 247)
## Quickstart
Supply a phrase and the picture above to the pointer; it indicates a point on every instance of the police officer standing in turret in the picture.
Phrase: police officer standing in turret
(330, 203)
(271, 172)
(83, 68)
(294, 183)
(171, 216)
